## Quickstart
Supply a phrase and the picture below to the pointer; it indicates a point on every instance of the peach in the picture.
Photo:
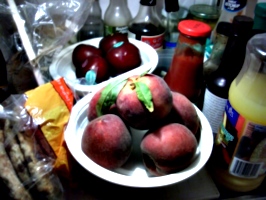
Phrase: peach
(144, 100)
(92, 109)
(107, 141)
(184, 112)
(168, 149)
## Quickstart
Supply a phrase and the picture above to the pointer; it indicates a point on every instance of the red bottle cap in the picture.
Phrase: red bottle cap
(194, 28)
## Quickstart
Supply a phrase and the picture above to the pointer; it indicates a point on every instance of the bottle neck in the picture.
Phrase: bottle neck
(147, 14)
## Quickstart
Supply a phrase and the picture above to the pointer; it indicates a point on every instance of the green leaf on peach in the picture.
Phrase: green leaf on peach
(144, 95)
(109, 95)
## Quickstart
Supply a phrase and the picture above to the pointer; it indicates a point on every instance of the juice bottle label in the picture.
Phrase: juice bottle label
(113, 29)
(234, 6)
(155, 41)
(243, 144)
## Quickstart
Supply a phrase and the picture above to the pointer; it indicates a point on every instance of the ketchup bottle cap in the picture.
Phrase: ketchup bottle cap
(194, 28)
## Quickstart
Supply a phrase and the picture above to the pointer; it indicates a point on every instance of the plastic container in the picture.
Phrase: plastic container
(239, 156)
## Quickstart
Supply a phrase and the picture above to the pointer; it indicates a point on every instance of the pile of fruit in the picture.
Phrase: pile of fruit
(142, 102)
(115, 55)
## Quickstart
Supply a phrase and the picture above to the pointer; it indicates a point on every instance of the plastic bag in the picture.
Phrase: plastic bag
(39, 28)
(26, 158)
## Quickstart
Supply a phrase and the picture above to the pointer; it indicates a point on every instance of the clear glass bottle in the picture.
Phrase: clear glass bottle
(185, 74)
(93, 26)
(224, 30)
(218, 82)
(238, 161)
(147, 26)
(170, 21)
(117, 17)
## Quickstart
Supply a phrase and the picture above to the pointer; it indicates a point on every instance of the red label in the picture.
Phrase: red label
(155, 41)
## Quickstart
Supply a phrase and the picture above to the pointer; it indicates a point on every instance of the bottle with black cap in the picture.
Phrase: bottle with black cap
(218, 82)
(171, 20)
(147, 26)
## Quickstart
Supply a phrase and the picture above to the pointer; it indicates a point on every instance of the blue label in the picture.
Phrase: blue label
(231, 113)
(234, 6)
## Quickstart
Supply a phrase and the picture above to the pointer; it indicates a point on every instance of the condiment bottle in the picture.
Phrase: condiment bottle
(117, 17)
(93, 26)
(230, 9)
(170, 20)
(205, 13)
(259, 25)
(147, 26)
(239, 156)
(224, 30)
(218, 82)
(185, 74)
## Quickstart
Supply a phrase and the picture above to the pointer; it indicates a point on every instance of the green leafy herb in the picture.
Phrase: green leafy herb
(109, 95)
(144, 95)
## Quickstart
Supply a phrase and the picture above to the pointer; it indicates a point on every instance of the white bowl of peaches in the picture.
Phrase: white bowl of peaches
(136, 132)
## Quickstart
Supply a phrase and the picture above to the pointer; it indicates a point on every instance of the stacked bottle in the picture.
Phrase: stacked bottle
(93, 26)
(218, 82)
(224, 30)
(171, 19)
(117, 17)
(239, 156)
(230, 9)
(147, 26)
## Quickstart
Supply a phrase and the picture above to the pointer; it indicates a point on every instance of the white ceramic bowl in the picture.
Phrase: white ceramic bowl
(133, 173)
(62, 65)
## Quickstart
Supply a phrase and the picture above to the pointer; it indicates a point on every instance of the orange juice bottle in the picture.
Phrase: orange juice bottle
(239, 155)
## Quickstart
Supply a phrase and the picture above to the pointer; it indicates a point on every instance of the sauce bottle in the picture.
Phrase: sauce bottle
(230, 9)
(205, 13)
(218, 82)
(185, 74)
(147, 26)
(239, 156)
(170, 20)
(93, 26)
(224, 30)
(117, 17)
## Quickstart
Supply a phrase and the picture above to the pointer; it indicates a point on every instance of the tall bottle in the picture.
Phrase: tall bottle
(239, 157)
(230, 9)
(147, 26)
(93, 26)
(259, 25)
(171, 18)
(224, 30)
(218, 82)
(185, 74)
(117, 17)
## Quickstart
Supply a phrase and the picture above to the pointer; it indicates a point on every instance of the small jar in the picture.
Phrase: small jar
(185, 74)
(205, 13)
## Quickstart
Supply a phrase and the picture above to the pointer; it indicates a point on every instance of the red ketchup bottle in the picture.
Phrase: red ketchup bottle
(185, 74)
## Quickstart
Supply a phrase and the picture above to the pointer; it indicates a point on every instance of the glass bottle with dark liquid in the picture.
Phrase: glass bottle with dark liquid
(146, 26)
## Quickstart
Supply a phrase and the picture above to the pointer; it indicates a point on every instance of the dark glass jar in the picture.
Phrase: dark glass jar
(185, 74)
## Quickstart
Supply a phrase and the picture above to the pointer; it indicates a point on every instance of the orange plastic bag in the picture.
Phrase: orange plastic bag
(50, 105)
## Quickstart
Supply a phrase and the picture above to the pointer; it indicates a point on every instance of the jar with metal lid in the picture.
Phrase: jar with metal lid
(205, 13)
(185, 74)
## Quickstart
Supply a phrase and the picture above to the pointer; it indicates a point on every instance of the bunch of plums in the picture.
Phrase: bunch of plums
(142, 102)
(114, 55)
